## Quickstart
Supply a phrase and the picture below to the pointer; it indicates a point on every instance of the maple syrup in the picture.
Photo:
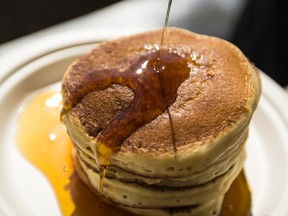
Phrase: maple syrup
(165, 27)
(102, 173)
(43, 141)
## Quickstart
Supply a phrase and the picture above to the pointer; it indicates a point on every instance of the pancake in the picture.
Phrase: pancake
(210, 115)
(138, 195)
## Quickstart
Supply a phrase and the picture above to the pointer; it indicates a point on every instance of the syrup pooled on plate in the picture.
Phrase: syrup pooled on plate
(43, 140)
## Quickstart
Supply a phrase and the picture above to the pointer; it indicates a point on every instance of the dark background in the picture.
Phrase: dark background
(21, 17)
(261, 32)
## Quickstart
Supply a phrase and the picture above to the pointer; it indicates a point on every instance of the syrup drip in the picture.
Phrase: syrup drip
(102, 178)
(51, 154)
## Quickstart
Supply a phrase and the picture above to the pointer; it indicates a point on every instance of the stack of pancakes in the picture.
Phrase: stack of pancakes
(211, 115)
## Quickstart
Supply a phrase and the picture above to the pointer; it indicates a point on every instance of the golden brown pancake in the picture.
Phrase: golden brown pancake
(210, 115)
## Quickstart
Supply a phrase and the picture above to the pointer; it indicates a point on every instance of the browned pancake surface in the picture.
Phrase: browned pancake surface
(210, 101)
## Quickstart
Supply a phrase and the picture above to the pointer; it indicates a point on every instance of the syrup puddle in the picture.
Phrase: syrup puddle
(43, 141)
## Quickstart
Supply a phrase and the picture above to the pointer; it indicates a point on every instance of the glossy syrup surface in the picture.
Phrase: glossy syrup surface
(45, 143)
(43, 140)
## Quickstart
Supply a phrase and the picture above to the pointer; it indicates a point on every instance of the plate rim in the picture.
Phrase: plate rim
(31, 51)
(269, 90)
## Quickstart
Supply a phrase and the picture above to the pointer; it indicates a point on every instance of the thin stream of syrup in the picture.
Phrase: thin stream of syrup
(159, 59)
(48, 147)
(165, 27)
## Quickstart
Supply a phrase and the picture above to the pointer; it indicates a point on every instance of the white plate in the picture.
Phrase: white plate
(25, 191)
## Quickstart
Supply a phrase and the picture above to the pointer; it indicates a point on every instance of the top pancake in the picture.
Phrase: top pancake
(213, 108)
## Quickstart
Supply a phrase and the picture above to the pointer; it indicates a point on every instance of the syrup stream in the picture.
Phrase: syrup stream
(165, 27)
(159, 56)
